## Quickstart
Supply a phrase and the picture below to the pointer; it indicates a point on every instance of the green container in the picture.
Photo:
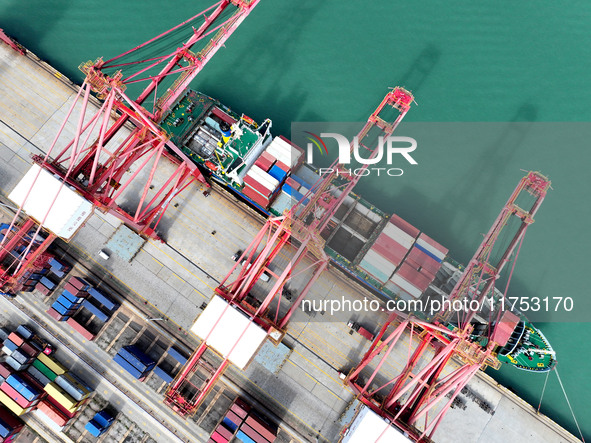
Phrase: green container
(45, 370)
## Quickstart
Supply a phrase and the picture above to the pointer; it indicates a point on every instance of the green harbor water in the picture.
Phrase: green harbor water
(465, 62)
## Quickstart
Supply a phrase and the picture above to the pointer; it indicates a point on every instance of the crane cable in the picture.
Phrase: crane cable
(569, 406)
(543, 390)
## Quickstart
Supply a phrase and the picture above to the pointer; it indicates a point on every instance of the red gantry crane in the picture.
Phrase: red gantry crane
(103, 162)
(236, 322)
(417, 399)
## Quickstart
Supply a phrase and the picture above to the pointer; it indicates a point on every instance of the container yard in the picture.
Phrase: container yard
(182, 338)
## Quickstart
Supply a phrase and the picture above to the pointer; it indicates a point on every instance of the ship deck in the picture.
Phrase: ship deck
(173, 280)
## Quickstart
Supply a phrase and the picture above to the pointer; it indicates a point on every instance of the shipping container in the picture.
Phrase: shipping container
(256, 197)
(68, 301)
(10, 424)
(23, 386)
(63, 310)
(44, 370)
(399, 235)
(15, 364)
(406, 286)
(261, 427)
(390, 249)
(95, 310)
(17, 339)
(57, 264)
(16, 396)
(378, 266)
(218, 438)
(259, 187)
(62, 409)
(244, 438)
(71, 297)
(79, 283)
(93, 428)
(421, 260)
(80, 329)
(25, 332)
(11, 404)
(277, 173)
(38, 375)
(75, 387)
(61, 396)
(53, 413)
(404, 226)
(414, 277)
(75, 291)
(21, 357)
(128, 367)
(165, 376)
(52, 364)
(42, 289)
(232, 421)
(177, 355)
(104, 300)
(9, 346)
(47, 283)
(137, 358)
(442, 251)
(224, 432)
(56, 315)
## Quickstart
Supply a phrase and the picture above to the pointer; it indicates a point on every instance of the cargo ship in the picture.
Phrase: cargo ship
(386, 254)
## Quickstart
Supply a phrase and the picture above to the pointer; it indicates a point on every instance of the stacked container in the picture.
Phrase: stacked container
(243, 424)
(10, 425)
(389, 249)
(263, 181)
(98, 425)
(40, 279)
(134, 361)
(65, 305)
(20, 352)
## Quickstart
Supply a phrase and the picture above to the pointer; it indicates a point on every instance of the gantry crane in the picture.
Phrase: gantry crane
(102, 162)
(420, 389)
(235, 312)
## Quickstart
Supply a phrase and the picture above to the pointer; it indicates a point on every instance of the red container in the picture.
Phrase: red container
(420, 259)
(255, 197)
(60, 408)
(16, 396)
(404, 225)
(78, 282)
(58, 417)
(265, 161)
(54, 314)
(282, 166)
(29, 350)
(224, 432)
(261, 427)
(259, 187)
(256, 437)
(390, 249)
(11, 420)
(433, 243)
(234, 418)
(76, 292)
(44, 290)
(240, 407)
(80, 329)
(5, 370)
(293, 184)
(16, 338)
(218, 438)
(414, 277)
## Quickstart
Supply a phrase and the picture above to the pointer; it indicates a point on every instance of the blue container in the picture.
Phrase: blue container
(163, 374)
(47, 283)
(94, 428)
(244, 438)
(104, 419)
(10, 345)
(301, 181)
(22, 387)
(15, 364)
(25, 332)
(62, 310)
(5, 429)
(109, 304)
(64, 301)
(71, 297)
(277, 173)
(128, 367)
(137, 358)
(56, 264)
(95, 310)
(174, 353)
(430, 254)
(230, 424)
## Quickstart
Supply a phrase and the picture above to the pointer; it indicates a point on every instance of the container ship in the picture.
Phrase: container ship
(383, 252)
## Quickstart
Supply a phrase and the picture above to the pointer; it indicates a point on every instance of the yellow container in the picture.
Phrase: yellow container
(61, 396)
(53, 365)
(11, 404)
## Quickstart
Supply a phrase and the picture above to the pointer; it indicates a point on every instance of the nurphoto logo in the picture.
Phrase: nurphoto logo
(388, 148)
